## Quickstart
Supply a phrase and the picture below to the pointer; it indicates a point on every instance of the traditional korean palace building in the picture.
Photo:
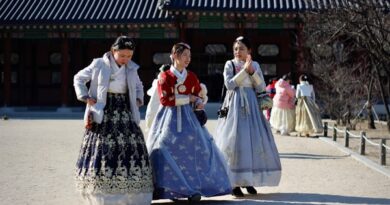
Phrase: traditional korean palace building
(43, 43)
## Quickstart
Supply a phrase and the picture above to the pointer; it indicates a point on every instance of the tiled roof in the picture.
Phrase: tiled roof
(261, 5)
(80, 11)
(25, 12)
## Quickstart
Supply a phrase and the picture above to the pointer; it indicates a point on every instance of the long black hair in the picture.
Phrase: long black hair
(286, 77)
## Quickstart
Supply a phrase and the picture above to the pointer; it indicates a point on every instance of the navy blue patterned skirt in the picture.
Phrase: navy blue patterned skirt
(113, 158)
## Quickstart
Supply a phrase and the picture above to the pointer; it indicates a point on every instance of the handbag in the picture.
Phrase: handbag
(223, 111)
(265, 101)
(201, 116)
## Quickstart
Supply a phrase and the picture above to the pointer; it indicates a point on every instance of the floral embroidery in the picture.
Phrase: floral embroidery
(113, 156)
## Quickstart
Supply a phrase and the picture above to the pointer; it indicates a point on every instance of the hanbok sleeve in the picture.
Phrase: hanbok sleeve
(139, 87)
(257, 78)
(81, 79)
(228, 75)
(196, 89)
(298, 93)
(165, 90)
(195, 85)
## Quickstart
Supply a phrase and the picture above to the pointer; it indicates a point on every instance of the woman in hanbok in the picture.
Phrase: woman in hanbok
(244, 135)
(308, 117)
(283, 110)
(113, 165)
(270, 89)
(185, 161)
(154, 102)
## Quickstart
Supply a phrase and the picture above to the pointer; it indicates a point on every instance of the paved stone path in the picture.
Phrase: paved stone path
(37, 159)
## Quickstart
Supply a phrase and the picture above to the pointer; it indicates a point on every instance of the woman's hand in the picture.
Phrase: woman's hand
(90, 101)
(139, 102)
(88, 123)
(193, 98)
(248, 65)
(200, 106)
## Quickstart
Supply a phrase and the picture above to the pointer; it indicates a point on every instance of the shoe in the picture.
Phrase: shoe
(237, 192)
(195, 197)
(251, 190)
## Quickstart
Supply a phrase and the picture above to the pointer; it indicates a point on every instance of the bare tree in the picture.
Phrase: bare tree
(350, 48)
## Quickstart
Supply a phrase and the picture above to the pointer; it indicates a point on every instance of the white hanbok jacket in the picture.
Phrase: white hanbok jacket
(99, 73)
(305, 89)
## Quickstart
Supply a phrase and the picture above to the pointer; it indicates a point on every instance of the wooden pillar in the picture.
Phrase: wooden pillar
(180, 25)
(182, 32)
(64, 70)
(300, 48)
(382, 157)
(239, 25)
(325, 129)
(362, 143)
(7, 70)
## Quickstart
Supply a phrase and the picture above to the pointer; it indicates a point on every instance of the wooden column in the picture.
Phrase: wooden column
(7, 70)
(64, 70)
(300, 49)
(182, 31)
(240, 25)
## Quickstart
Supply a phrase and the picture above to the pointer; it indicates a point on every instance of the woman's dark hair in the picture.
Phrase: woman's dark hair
(286, 77)
(244, 41)
(123, 42)
(179, 48)
(272, 80)
(164, 67)
(303, 77)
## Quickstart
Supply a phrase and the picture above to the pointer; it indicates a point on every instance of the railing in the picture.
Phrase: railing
(363, 139)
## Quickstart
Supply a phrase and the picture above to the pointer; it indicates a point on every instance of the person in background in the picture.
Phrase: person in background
(113, 165)
(244, 135)
(308, 117)
(270, 89)
(154, 102)
(186, 163)
(283, 110)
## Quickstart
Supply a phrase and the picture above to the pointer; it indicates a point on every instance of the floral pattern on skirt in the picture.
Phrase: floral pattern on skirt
(185, 162)
(246, 140)
(113, 157)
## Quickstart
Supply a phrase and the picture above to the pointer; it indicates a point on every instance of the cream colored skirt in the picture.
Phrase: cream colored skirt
(308, 117)
(283, 120)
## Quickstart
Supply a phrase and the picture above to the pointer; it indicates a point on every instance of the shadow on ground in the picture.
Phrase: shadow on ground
(310, 156)
(286, 198)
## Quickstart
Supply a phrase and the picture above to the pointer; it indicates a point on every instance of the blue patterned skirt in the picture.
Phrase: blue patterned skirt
(184, 157)
(113, 158)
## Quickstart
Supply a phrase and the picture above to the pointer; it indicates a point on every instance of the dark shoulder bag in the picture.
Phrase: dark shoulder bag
(223, 111)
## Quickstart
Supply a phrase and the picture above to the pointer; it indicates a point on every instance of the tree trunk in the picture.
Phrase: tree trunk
(371, 120)
(383, 96)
